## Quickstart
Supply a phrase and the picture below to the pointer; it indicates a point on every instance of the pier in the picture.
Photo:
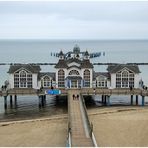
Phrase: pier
(80, 129)
(104, 92)
(74, 75)
(78, 125)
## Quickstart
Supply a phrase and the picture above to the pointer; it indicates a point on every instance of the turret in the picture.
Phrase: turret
(61, 55)
(86, 55)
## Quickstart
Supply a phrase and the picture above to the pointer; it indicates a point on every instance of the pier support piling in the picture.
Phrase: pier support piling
(143, 98)
(44, 100)
(5, 102)
(11, 101)
(15, 100)
(108, 100)
(40, 103)
(105, 97)
(102, 99)
(131, 99)
(136, 99)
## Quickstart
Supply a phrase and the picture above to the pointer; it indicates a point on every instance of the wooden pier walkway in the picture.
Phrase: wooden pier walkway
(78, 126)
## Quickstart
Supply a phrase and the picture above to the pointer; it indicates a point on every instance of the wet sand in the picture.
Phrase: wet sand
(39, 133)
(120, 126)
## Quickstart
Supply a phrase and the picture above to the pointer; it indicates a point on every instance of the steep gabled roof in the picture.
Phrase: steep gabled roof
(61, 64)
(50, 74)
(29, 67)
(86, 64)
(74, 66)
(116, 68)
(71, 60)
(105, 74)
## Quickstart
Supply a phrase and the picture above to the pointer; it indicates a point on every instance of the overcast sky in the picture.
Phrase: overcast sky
(73, 20)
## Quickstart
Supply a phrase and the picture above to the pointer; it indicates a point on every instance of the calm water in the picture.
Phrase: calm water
(29, 51)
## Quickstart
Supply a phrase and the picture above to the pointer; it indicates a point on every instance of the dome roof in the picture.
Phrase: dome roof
(76, 49)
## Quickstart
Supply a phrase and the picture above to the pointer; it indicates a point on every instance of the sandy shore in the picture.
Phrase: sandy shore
(39, 133)
(113, 126)
(120, 126)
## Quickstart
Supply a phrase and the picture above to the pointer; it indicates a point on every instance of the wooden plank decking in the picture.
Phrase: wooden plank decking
(79, 135)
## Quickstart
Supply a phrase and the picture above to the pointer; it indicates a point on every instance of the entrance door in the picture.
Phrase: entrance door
(74, 84)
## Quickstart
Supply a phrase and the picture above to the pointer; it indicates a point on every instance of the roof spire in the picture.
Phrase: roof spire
(86, 55)
(61, 55)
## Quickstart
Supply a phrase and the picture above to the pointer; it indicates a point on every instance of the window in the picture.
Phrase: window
(101, 81)
(86, 78)
(118, 80)
(29, 80)
(16, 80)
(73, 72)
(61, 78)
(124, 79)
(46, 81)
(22, 79)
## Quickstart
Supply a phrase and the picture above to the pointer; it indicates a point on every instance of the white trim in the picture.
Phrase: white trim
(22, 68)
(127, 69)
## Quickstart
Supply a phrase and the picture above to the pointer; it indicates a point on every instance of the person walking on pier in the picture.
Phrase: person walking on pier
(73, 97)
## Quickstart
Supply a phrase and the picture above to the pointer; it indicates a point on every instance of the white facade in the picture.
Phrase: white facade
(137, 79)
(74, 72)
(113, 80)
(11, 81)
(34, 82)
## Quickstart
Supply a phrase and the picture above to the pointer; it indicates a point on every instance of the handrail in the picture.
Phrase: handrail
(69, 124)
(90, 125)
(69, 138)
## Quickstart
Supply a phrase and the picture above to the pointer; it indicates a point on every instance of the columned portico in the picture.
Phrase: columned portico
(73, 82)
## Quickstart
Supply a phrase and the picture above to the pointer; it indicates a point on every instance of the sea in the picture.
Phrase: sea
(39, 51)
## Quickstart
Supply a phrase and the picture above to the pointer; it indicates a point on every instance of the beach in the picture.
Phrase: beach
(120, 126)
(34, 133)
(113, 126)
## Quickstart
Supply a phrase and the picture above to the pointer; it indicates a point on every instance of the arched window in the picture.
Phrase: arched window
(125, 79)
(46, 81)
(22, 79)
(61, 78)
(86, 78)
(101, 81)
(74, 72)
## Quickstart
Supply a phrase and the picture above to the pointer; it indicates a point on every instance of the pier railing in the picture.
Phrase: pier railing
(90, 125)
(116, 91)
(84, 91)
(22, 91)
